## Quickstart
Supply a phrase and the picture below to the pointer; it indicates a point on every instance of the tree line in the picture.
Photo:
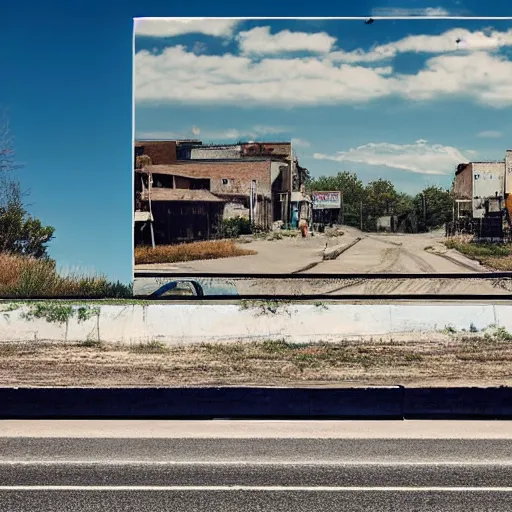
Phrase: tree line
(364, 204)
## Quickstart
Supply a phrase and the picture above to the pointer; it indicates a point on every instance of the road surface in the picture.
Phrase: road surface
(373, 253)
(261, 466)
(365, 254)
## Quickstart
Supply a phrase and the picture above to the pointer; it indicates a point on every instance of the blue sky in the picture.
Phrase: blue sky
(67, 85)
(405, 100)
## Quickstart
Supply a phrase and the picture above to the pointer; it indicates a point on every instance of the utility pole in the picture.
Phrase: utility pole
(340, 216)
(424, 199)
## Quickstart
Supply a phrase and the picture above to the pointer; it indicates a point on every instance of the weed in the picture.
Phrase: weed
(207, 250)
(59, 312)
(90, 343)
(413, 358)
(449, 329)
(501, 334)
(25, 277)
(264, 307)
(51, 312)
(308, 360)
(496, 256)
(274, 347)
(473, 328)
(152, 347)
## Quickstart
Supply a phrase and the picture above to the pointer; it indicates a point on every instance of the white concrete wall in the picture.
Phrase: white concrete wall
(178, 324)
(234, 210)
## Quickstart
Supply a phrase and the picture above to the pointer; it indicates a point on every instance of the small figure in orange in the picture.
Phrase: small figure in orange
(303, 226)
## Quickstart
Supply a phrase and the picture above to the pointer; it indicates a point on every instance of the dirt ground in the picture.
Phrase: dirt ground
(371, 253)
(429, 359)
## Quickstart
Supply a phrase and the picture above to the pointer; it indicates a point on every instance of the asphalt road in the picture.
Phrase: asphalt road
(261, 466)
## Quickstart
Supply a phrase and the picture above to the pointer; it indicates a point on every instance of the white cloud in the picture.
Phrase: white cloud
(239, 134)
(400, 11)
(441, 43)
(176, 75)
(171, 27)
(163, 135)
(300, 143)
(490, 134)
(419, 157)
(259, 41)
(254, 132)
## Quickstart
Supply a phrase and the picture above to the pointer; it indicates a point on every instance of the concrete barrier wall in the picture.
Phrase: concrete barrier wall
(183, 323)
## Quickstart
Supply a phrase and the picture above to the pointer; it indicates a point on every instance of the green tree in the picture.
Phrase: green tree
(381, 198)
(353, 193)
(434, 207)
(20, 233)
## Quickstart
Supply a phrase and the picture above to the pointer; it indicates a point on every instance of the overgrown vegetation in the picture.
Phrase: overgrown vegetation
(494, 256)
(26, 270)
(60, 313)
(264, 307)
(207, 250)
(26, 277)
(467, 358)
(233, 228)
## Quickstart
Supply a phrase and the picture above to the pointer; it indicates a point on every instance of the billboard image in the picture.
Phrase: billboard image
(286, 157)
(326, 200)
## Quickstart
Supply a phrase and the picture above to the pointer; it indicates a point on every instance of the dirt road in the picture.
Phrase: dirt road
(362, 253)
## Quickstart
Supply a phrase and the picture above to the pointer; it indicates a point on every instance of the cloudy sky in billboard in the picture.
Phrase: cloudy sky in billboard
(406, 100)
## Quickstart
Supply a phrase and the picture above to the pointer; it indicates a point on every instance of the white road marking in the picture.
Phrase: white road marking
(216, 488)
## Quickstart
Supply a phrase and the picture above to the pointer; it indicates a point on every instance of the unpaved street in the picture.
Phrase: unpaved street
(361, 253)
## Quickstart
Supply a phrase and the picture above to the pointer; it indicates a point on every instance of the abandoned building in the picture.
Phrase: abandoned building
(482, 186)
(183, 199)
(277, 151)
(482, 196)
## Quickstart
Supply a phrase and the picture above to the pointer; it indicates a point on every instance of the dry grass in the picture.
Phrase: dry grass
(434, 359)
(494, 256)
(208, 250)
(24, 277)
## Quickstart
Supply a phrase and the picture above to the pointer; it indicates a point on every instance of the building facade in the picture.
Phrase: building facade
(480, 187)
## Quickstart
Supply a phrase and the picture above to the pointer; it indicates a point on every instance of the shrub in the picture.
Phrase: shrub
(233, 228)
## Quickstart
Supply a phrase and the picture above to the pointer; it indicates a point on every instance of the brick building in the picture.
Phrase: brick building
(187, 199)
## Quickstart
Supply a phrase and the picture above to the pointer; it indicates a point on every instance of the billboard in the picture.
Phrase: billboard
(326, 200)
(241, 152)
